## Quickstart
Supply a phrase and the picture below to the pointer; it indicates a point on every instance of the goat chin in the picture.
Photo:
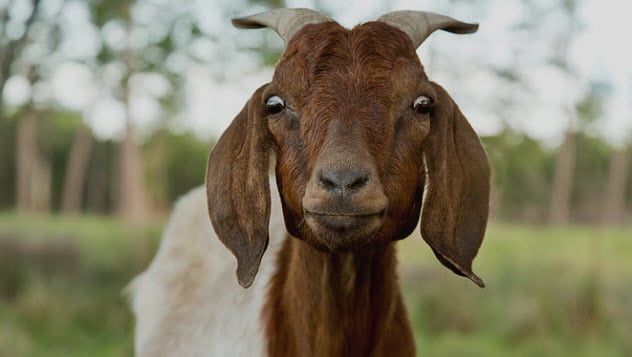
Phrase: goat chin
(344, 233)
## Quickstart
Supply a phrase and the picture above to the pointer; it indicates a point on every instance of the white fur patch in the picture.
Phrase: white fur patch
(188, 302)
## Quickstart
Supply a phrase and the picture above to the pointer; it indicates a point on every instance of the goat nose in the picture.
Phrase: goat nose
(343, 180)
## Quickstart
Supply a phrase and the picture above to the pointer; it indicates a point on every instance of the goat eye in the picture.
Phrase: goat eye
(423, 105)
(275, 104)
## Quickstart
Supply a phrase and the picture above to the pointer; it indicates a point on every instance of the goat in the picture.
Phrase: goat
(366, 147)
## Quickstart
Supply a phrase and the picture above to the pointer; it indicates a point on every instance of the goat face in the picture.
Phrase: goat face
(348, 137)
(361, 139)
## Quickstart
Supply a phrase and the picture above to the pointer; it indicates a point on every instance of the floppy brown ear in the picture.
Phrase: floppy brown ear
(456, 197)
(238, 190)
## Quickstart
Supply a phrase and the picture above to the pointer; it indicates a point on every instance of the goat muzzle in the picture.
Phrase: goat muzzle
(344, 205)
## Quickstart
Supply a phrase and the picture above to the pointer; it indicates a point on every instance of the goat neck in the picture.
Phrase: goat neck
(336, 304)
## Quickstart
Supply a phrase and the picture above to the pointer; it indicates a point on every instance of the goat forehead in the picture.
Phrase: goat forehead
(367, 53)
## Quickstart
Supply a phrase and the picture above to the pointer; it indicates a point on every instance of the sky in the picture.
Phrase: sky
(598, 52)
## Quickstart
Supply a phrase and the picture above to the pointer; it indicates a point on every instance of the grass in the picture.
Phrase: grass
(550, 291)
(61, 280)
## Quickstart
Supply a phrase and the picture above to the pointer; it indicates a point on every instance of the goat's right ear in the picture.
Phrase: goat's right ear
(238, 190)
(456, 196)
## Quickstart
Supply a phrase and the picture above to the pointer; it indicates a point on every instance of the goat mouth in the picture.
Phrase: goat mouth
(340, 229)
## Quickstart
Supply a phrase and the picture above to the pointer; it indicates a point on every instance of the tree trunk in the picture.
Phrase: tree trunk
(614, 197)
(133, 198)
(41, 185)
(559, 213)
(26, 157)
(33, 172)
(74, 180)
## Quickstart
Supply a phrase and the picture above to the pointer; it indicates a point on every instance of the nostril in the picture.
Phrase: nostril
(358, 182)
(328, 180)
(340, 180)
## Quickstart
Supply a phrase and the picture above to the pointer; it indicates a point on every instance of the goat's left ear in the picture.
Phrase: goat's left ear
(456, 197)
(238, 189)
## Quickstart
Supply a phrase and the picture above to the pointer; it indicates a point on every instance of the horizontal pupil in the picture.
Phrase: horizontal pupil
(275, 108)
(423, 105)
(424, 108)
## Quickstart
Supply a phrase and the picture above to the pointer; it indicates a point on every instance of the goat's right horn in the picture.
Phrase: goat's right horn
(286, 22)
(418, 25)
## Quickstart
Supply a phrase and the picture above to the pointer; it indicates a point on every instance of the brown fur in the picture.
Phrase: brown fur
(352, 306)
(348, 95)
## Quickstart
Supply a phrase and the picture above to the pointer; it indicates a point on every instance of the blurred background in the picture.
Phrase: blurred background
(108, 109)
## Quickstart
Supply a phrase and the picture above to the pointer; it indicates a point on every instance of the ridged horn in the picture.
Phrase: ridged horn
(286, 22)
(418, 25)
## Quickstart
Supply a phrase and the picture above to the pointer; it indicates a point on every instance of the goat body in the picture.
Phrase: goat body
(187, 302)
(362, 140)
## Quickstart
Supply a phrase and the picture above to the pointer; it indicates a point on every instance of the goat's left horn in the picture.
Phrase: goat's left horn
(418, 25)
(286, 22)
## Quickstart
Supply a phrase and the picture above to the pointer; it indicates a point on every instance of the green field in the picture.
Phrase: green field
(550, 292)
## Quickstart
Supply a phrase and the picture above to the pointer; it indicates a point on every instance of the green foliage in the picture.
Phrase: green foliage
(103, 11)
(175, 163)
(523, 171)
(101, 188)
(7, 163)
(591, 176)
(523, 176)
(591, 107)
(55, 136)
